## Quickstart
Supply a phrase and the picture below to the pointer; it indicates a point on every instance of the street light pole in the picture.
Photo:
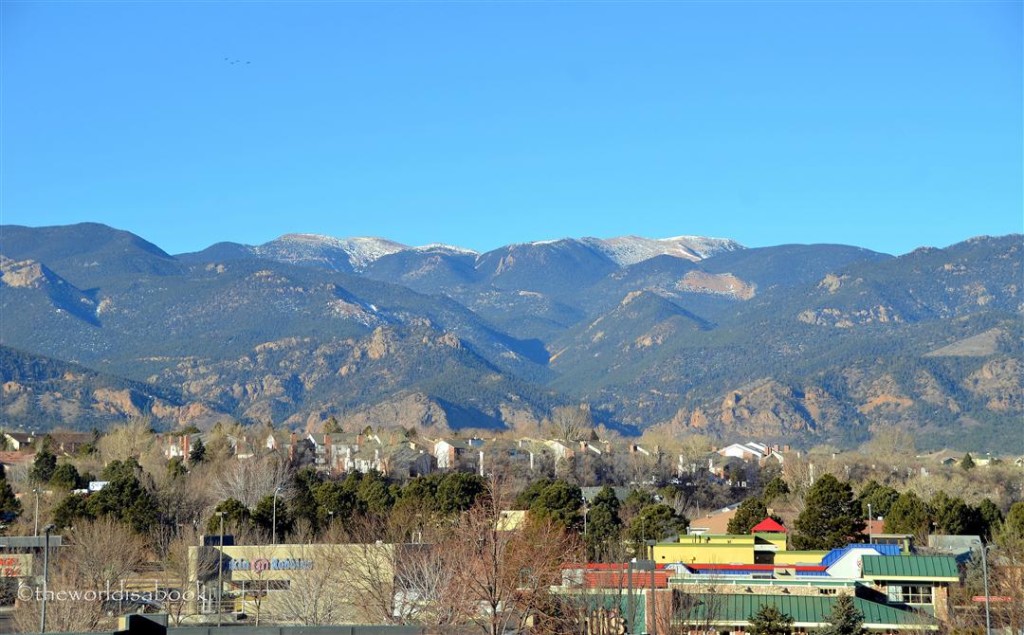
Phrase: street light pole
(35, 531)
(46, 575)
(220, 571)
(984, 570)
(273, 530)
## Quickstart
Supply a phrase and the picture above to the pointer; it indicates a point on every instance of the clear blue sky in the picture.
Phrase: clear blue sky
(887, 125)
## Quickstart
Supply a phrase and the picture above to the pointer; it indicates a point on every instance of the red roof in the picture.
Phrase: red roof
(768, 526)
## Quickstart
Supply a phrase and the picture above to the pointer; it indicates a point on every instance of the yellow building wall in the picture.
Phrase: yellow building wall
(705, 553)
(799, 557)
(779, 540)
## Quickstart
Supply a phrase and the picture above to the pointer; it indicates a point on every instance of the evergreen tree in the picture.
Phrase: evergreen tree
(656, 522)
(1013, 526)
(770, 621)
(604, 524)
(560, 503)
(880, 497)
(66, 477)
(69, 510)
(749, 513)
(43, 466)
(775, 488)
(303, 502)
(831, 517)
(845, 619)
(909, 515)
(263, 516)
(236, 516)
(198, 453)
(531, 492)
(125, 498)
(955, 517)
(967, 462)
(176, 468)
(991, 519)
(10, 506)
(374, 493)
(458, 491)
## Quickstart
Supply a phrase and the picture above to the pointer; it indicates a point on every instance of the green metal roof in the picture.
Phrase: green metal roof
(806, 611)
(905, 567)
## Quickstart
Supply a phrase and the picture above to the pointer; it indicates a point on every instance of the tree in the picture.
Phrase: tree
(458, 492)
(1013, 527)
(770, 621)
(177, 569)
(845, 619)
(96, 556)
(604, 524)
(955, 517)
(775, 488)
(749, 513)
(127, 500)
(655, 522)
(236, 517)
(879, 497)
(66, 477)
(572, 423)
(198, 453)
(909, 515)
(967, 463)
(374, 493)
(991, 518)
(506, 572)
(263, 516)
(560, 503)
(831, 517)
(10, 506)
(43, 466)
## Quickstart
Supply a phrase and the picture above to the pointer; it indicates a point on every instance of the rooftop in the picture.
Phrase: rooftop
(911, 567)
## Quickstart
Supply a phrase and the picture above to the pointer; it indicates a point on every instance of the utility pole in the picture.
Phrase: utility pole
(35, 531)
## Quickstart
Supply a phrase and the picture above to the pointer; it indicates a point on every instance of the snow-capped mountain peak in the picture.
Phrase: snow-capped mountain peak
(629, 250)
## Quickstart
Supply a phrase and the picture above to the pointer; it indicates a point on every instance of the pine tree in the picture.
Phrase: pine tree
(198, 453)
(845, 619)
(831, 516)
(43, 466)
(967, 462)
(770, 621)
(750, 512)
(10, 506)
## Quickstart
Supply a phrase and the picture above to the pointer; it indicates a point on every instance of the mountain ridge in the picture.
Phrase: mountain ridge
(804, 343)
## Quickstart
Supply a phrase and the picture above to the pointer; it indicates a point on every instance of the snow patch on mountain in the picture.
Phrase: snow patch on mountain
(341, 254)
(629, 250)
(451, 249)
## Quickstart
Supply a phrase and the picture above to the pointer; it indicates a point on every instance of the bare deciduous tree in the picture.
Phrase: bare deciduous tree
(251, 479)
(572, 423)
(507, 572)
(98, 556)
(126, 440)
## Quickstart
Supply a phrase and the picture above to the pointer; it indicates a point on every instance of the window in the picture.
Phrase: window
(910, 593)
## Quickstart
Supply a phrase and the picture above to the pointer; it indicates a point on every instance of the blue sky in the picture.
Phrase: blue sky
(887, 125)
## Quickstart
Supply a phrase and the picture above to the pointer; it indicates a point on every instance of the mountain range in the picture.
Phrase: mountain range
(807, 344)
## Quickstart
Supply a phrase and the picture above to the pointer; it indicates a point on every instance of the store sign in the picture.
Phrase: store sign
(259, 565)
(15, 565)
